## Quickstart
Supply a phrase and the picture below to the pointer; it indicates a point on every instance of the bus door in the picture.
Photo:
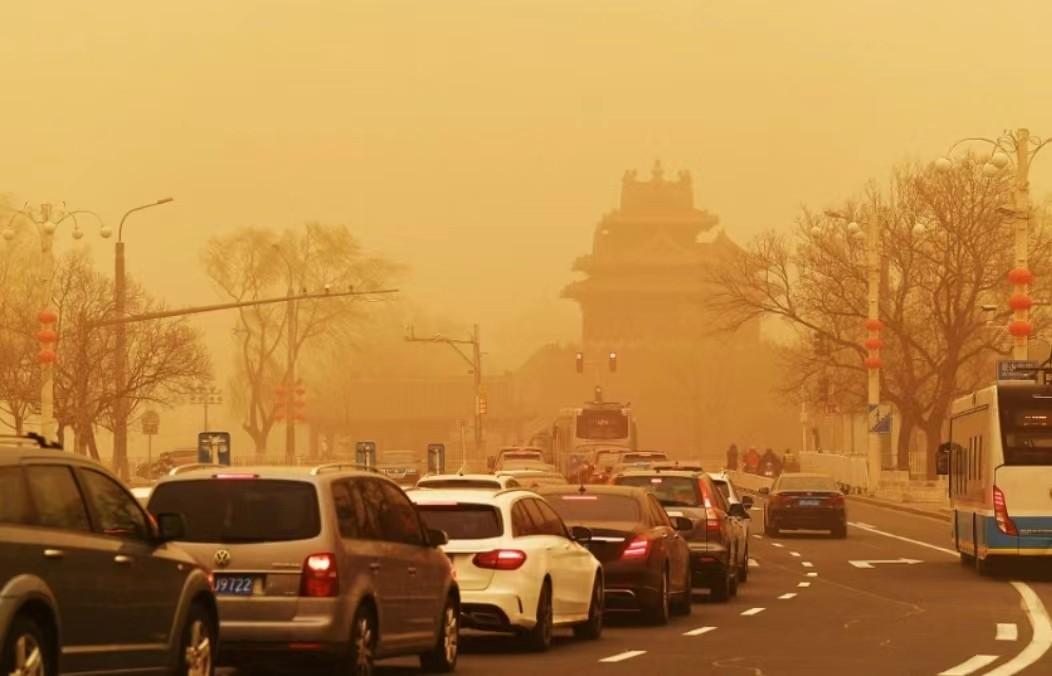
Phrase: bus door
(1022, 486)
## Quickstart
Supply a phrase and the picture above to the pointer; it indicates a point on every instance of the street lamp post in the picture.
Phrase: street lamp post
(120, 297)
(1018, 148)
(290, 363)
(206, 395)
(46, 220)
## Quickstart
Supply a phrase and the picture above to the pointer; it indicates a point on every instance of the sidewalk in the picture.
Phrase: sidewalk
(934, 510)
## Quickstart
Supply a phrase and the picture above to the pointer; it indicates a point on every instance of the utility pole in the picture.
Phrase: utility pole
(474, 361)
(290, 382)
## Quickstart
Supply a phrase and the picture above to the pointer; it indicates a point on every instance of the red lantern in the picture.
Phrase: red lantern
(46, 357)
(1020, 276)
(279, 414)
(299, 416)
(873, 343)
(1020, 328)
(47, 317)
(279, 391)
(872, 362)
(46, 336)
(874, 325)
(1020, 301)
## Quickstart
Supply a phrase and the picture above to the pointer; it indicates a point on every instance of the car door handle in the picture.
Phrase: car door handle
(54, 554)
(122, 559)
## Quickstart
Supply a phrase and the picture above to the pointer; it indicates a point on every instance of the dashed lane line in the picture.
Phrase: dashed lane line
(786, 597)
(699, 631)
(777, 544)
(796, 554)
(1007, 631)
(1041, 634)
(621, 657)
(758, 537)
(807, 564)
(753, 563)
(970, 666)
(803, 584)
(812, 575)
(753, 611)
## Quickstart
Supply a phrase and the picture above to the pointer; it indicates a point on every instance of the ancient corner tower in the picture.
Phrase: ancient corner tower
(644, 285)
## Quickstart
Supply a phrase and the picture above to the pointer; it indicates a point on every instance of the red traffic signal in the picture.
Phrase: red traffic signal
(613, 362)
(580, 362)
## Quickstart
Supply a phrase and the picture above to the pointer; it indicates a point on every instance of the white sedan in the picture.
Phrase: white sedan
(519, 568)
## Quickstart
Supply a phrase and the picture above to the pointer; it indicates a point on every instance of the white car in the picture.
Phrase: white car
(519, 568)
(742, 524)
(531, 478)
(468, 481)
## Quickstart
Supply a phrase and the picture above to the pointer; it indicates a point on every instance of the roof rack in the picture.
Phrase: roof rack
(336, 466)
(30, 439)
(513, 489)
(183, 469)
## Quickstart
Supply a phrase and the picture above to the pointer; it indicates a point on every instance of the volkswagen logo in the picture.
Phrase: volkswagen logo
(222, 558)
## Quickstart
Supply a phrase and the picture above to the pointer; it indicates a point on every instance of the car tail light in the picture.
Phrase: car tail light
(835, 501)
(1004, 522)
(637, 548)
(712, 522)
(320, 577)
(500, 559)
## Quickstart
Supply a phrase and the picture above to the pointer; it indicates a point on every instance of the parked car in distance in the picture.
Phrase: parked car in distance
(802, 501)
(318, 563)
(89, 582)
(645, 559)
(610, 461)
(518, 454)
(740, 516)
(467, 481)
(717, 550)
(519, 567)
(679, 465)
(531, 478)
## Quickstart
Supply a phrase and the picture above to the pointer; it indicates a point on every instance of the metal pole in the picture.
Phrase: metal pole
(1021, 348)
(873, 374)
(120, 410)
(47, 369)
(290, 371)
(477, 358)
(206, 413)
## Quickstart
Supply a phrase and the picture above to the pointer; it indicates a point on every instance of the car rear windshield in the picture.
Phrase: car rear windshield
(590, 508)
(241, 510)
(463, 521)
(806, 483)
(629, 458)
(458, 483)
(671, 491)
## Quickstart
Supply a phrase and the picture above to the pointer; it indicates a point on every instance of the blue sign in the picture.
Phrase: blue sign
(213, 448)
(365, 453)
(1016, 369)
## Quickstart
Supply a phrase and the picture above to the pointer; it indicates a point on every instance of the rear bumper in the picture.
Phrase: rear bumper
(496, 610)
(708, 563)
(631, 586)
(806, 519)
(318, 625)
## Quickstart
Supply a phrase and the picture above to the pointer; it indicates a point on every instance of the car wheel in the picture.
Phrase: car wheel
(539, 639)
(592, 629)
(361, 656)
(720, 590)
(967, 560)
(984, 567)
(658, 611)
(733, 582)
(769, 530)
(198, 647)
(442, 659)
(684, 603)
(840, 532)
(743, 572)
(26, 651)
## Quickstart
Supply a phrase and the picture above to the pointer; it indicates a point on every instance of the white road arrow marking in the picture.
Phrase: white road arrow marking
(1007, 631)
(970, 666)
(872, 562)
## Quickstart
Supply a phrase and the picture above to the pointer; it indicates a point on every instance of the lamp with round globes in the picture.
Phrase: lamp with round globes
(106, 232)
(9, 234)
(49, 228)
(854, 228)
(1000, 159)
(990, 170)
(944, 164)
(919, 229)
(816, 231)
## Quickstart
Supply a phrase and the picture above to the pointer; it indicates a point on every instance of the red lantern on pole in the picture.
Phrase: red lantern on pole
(47, 317)
(46, 336)
(872, 362)
(873, 343)
(874, 325)
(1020, 276)
(1020, 301)
(1020, 328)
(46, 356)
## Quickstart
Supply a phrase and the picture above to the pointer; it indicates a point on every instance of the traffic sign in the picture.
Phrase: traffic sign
(1016, 369)
(213, 447)
(365, 453)
(151, 423)
(436, 458)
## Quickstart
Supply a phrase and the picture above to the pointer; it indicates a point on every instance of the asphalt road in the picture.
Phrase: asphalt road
(807, 610)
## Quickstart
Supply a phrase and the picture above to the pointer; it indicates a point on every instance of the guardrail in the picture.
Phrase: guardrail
(750, 483)
(850, 471)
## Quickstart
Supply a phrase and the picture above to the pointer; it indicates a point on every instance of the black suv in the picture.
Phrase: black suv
(88, 581)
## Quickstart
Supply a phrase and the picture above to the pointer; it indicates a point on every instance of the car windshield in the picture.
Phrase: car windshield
(593, 507)
(724, 488)
(670, 491)
(463, 521)
(230, 510)
(806, 483)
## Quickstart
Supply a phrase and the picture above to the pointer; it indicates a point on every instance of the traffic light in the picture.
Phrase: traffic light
(580, 362)
(613, 362)
(483, 404)
(299, 402)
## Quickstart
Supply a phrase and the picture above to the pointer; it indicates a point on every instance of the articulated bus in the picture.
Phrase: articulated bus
(578, 432)
(999, 467)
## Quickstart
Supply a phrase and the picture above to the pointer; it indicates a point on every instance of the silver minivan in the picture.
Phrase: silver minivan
(327, 565)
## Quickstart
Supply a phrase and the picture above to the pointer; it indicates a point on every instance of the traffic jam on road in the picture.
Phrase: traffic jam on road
(662, 567)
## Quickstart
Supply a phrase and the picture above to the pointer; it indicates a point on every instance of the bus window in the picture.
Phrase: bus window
(602, 425)
(1027, 436)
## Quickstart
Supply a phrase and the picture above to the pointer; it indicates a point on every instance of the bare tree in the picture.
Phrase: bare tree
(933, 285)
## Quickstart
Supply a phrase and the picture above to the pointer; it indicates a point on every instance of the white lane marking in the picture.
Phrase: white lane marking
(1007, 631)
(871, 562)
(777, 544)
(807, 564)
(786, 597)
(796, 554)
(699, 631)
(753, 563)
(804, 584)
(753, 611)
(904, 539)
(812, 575)
(863, 524)
(970, 665)
(621, 657)
(758, 537)
(1040, 640)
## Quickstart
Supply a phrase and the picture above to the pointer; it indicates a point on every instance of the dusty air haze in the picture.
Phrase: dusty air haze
(478, 143)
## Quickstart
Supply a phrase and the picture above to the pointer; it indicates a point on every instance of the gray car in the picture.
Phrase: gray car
(328, 565)
(89, 583)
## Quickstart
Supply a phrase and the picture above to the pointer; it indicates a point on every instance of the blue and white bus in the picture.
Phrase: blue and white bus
(999, 467)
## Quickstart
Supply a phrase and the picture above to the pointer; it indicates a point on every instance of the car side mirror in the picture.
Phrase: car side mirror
(437, 538)
(581, 535)
(747, 501)
(764, 490)
(942, 459)
(170, 527)
(738, 509)
(682, 523)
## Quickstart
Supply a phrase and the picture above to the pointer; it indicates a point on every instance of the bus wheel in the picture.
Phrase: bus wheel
(967, 560)
(984, 567)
